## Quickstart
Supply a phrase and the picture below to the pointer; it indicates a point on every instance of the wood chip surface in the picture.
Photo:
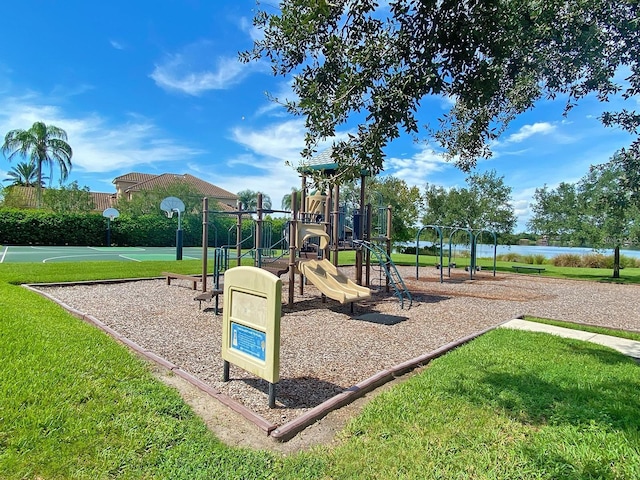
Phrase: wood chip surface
(324, 348)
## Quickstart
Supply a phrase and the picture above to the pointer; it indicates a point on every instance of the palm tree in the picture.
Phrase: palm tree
(25, 174)
(41, 144)
(249, 199)
(286, 200)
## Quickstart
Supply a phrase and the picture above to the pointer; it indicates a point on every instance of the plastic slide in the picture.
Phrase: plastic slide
(307, 230)
(326, 277)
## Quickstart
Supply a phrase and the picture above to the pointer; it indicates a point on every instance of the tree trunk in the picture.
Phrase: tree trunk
(616, 262)
(39, 186)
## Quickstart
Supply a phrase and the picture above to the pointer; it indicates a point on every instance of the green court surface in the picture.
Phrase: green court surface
(45, 254)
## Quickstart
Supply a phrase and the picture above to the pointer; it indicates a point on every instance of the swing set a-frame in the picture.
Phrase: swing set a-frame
(441, 231)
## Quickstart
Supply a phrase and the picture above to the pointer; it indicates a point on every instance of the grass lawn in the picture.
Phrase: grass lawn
(511, 404)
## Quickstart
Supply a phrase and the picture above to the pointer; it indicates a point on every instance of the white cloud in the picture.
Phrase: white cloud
(98, 144)
(417, 169)
(283, 141)
(192, 73)
(117, 45)
(285, 93)
(267, 151)
(247, 26)
(527, 131)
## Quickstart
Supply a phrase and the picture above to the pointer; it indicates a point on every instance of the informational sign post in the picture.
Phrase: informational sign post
(251, 324)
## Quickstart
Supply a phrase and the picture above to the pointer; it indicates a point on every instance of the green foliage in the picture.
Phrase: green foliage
(567, 260)
(25, 174)
(381, 192)
(249, 200)
(530, 259)
(67, 199)
(555, 212)
(37, 227)
(354, 60)
(599, 210)
(14, 198)
(286, 199)
(486, 204)
(509, 257)
(593, 260)
(405, 204)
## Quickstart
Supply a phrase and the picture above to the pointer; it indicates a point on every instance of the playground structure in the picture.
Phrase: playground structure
(473, 235)
(313, 239)
(366, 245)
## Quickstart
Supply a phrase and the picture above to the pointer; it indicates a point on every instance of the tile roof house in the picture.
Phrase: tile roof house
(127, 186)
(26, 197)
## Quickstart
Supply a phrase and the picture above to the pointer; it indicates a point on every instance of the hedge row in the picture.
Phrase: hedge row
(36, 227)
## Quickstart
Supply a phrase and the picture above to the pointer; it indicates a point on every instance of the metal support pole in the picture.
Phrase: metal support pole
(205, 241)
(367, 258)
(258, 239)
(363, 235)
(336, 222)
(388, 235)
(225, 371)
(272, 395)
(239, 235)
(303, 198)
(178, 239)
(292, 247)
(327, 223)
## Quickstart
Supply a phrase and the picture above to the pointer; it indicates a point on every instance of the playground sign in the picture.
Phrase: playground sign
(251, 324)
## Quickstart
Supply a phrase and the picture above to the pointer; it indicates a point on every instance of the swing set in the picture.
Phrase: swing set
(474, 236)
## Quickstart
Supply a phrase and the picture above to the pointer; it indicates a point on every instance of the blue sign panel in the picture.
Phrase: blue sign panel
(249, 341)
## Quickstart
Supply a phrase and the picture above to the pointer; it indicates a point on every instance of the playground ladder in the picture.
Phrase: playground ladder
(390, 270)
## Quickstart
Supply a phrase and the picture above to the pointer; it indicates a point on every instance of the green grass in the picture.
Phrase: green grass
(588, 328)
(76, 404)
(509, 405)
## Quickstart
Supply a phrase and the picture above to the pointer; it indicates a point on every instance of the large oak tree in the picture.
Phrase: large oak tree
(375, 64)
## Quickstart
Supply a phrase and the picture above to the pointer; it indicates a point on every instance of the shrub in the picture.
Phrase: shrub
(509, 257)
(566, 260)
(423, 250)
(526, 259)
(596, 260)
(539, 259)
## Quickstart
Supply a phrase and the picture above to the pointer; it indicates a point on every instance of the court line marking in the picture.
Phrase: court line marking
(67, 256)
(129, 258)
(4, 253)
(115, 249)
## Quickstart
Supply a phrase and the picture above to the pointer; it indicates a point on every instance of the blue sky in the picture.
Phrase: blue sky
(156, 87)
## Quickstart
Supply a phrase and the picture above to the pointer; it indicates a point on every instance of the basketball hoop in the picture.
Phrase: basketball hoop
(111, 213)
(171, 205)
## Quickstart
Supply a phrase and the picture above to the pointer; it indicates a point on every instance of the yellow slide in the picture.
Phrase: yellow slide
(326, 277)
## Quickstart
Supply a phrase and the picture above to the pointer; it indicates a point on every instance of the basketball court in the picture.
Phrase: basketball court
(47, 254)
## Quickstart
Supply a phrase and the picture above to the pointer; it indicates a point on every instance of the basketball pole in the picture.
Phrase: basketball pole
(178, 237)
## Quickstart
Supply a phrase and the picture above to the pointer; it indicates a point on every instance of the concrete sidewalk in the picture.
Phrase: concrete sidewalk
(627, 347)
